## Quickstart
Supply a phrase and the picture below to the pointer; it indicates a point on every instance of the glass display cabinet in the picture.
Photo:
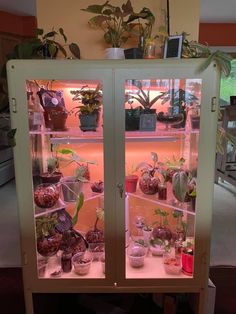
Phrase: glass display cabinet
(114, 165)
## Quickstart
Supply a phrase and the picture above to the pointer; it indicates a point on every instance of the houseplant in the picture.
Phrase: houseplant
(89, 106)
(184, 186)
(161, 231)
(187, 256)
(72, 185)
(179, 100)
(72, 241)
(53, 174)
(114, 22)
(95, 236)
(146, 102)
(148, 183)
(48, 239)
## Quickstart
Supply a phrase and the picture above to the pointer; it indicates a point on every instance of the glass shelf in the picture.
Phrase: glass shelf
(171, 201)
(88, 195)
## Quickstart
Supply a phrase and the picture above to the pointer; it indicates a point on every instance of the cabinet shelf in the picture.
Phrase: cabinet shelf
(88, 193)
(171, 202)
(153, 268)
(74, 135)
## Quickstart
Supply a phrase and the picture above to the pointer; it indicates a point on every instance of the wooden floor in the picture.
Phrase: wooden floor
(12, 299)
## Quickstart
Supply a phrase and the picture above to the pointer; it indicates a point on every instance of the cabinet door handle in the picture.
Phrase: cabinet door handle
(121, 189)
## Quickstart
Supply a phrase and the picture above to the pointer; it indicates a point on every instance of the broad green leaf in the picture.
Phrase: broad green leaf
(61, 31)
(75, 50)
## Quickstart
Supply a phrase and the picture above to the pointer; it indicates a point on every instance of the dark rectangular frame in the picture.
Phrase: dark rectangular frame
(173, 47)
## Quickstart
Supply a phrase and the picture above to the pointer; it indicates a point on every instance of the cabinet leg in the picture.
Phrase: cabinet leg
(29, 302)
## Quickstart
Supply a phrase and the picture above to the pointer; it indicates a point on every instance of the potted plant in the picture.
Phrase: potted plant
(53, 174)
(113, 21)
(72, 241)
(149, 181)
(44, 45)
(95, 236)
(72, 185)
(142, 96)
(187, 256)
(161, 231)
(132, 116)
(181, 226)
(159, 246)
(171, 166)
(48, 239)
(131, 179)
(89, 106)
(183, 184)
(179, 100)
(136, 254)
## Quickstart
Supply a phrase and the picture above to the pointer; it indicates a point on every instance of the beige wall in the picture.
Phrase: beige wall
(67, 14)
(184, 16)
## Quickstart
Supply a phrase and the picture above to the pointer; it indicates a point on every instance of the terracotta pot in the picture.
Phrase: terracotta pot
(131, 183)
(187, 263)
(58, 120)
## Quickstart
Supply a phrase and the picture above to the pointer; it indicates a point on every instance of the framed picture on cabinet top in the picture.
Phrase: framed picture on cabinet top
(173, 47)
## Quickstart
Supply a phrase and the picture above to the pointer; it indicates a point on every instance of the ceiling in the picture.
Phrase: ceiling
(211, 10)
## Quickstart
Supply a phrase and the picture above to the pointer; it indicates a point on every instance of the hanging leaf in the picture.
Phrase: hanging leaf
(75, 50)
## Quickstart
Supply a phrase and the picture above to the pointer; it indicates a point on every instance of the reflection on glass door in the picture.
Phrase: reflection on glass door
(66, 135)
(162, 120)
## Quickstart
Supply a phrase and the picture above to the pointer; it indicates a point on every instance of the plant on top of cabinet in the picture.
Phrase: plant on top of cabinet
(113, 20)
(48, 239)
(72, 185)
(44, 45)
(89, 106)
(149, 181)
(95, 236)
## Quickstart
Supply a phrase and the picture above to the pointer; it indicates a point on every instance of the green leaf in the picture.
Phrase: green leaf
(61, 31)
(78, 206)
(127, 8)
(98, 20)
(50, 34)
(39, 31)
(95, 8)
(75, 50)
(66, 151)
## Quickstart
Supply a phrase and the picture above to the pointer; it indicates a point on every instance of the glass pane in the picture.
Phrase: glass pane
(162, 120)
(66, 135)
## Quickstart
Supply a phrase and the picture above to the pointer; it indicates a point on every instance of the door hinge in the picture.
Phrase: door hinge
(213, 104)
(13, 105)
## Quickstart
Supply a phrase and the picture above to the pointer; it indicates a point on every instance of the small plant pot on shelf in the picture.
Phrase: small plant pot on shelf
(136, 255)
(82, 263)
(148, 184)
(187, 263)
(133, 53)
(46, 195)
(70, 188)
(114, 53)
(132, 119)
(172, 264)
(48, 177)
(88, 122)
(58, 120)
(131, 183)
(49, 246)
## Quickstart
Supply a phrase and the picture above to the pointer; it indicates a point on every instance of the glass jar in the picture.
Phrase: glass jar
(46, 195)
(149, 49)
(66, 263)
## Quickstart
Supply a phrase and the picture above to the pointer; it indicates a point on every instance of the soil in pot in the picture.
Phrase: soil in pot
(58, 120)
(53, 177)
(49, 246)
(46, 195)
(149, 184)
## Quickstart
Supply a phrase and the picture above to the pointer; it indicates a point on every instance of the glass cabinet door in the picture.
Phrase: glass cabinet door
(66, 136)
(161, 142)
